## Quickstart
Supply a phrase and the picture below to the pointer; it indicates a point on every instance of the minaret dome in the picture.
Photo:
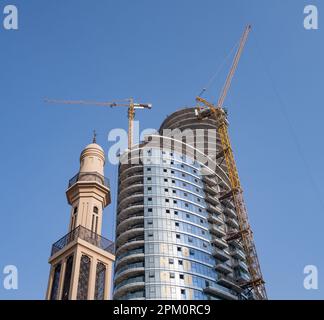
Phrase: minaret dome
(92, 159)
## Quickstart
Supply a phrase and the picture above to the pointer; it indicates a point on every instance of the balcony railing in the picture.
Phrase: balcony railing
(138, 279)
(131, 266)
(132, 295)
(89, 176)
(86, 235)
(129, 253)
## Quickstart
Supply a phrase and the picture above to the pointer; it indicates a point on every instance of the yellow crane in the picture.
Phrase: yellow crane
(132, 106)
(245, 235)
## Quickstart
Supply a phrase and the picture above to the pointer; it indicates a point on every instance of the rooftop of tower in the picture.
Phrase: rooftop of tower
(185, 118)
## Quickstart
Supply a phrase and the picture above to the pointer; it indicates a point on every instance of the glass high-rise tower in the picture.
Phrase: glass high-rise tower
(173, 215)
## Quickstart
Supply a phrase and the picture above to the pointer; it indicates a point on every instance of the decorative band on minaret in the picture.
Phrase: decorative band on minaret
(81, 261)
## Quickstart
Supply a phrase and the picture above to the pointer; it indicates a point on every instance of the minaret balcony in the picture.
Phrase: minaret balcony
(89, 177)
(86, 235)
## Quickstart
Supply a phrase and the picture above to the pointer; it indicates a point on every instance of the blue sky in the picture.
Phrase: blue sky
(162, 52)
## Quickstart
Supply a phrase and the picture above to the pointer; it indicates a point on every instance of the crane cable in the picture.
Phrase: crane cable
(283, 109)
(219, 69)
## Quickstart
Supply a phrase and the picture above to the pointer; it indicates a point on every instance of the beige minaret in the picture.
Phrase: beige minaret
(81, 261)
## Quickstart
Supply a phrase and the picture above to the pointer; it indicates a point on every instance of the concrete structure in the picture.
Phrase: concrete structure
(81, 261)
(173, 217)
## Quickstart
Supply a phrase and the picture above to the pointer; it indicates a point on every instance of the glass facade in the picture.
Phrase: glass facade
(178, 251)
(173, 222)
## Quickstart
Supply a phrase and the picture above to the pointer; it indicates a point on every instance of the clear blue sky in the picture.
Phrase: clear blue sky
(162, 52)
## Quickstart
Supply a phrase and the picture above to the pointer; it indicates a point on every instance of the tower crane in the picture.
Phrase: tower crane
(132, 106)
(206, 109)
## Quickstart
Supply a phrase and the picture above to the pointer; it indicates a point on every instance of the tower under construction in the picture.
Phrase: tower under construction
(176, 217)
(182, 224)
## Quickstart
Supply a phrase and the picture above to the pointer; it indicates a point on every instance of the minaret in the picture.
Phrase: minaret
(81, 261)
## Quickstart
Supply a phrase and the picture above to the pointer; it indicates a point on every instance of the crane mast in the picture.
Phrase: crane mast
(245, 235)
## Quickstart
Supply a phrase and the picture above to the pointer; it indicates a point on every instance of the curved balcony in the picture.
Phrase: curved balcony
(217, 231)
(213, 209)
(133, 210)
(128, 191)
(135, 265)
(136, 198)
(228, 204)
(220, 292)
(139, 214)
(133, 179)
(131, 284)
(210, 181)
(131, 170)
(242, 265)
(237, 245)
(128, 223)
(213, 219)
(229, 282)
(211, 190)
(242, 277)
(129, 272)
(212, 199)
(134, 226)
(237, 254)
(133, 295)
(129, 235)
(221, 255)
(219, 243)
(233, 223)
(223, 268)
(132, 244)
(137, 280)
(135, 251)
(230, 213)
(130, 257)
